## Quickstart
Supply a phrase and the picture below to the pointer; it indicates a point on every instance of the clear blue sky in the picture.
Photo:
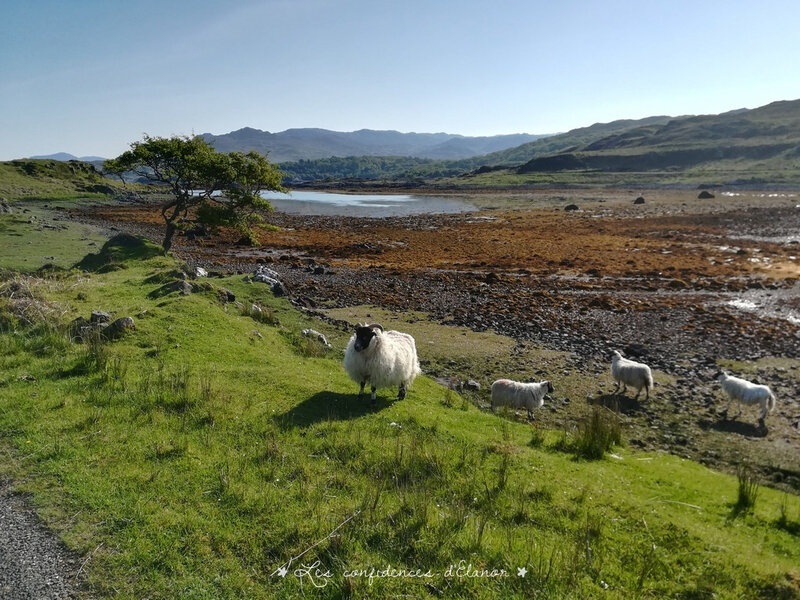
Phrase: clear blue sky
(90, 76)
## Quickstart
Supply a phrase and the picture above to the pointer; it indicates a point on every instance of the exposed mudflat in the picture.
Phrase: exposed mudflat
(677, 282)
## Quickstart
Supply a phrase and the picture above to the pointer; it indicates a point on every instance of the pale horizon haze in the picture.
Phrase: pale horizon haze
(89, 77)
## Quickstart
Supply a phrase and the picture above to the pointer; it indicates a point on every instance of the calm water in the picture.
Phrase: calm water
(301, 202)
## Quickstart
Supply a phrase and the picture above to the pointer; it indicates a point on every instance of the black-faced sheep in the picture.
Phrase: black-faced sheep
(746, 392)
(384, 358)
(515, 394)
(631, 373)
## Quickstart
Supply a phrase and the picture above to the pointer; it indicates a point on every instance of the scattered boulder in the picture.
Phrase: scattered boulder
(79, 328)
(705, 195)
(313, 333)
(183, 287)
(119, 328)
(5, 209)
(473, 385)
(639, 200)
(266, 275)
(635, 350)
(571, 207)
(452, 383)
(200, 272)
(99, 316)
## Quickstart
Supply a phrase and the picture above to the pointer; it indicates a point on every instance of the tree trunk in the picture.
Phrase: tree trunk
(168, 233)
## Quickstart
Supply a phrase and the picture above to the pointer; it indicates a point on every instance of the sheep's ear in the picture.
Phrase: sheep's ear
(376, 326)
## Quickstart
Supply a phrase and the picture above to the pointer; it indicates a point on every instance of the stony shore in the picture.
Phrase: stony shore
(676, 282)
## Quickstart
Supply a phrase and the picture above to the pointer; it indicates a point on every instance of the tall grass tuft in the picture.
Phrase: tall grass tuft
(747, 492)
(597, 435)
(95, 356)
(262, 314)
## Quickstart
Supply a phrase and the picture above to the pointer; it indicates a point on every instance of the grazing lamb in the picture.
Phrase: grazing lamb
(520, 395)
(746, 392)
(631, 373)
(384, 358)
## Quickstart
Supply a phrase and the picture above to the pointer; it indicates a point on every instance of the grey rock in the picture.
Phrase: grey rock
(473, 385)
(183, 287)
(119, 328)
(266, 275)
(313, 333)
(100, 316)
(200, 272)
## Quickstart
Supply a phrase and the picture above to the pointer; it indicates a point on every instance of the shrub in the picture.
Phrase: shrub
(747, 492)
(597, 435)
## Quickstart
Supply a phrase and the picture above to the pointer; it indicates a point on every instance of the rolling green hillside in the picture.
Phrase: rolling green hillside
(745, 146)
(53, 180)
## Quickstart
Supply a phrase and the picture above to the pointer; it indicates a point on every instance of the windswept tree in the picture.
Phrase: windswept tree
(224, 188)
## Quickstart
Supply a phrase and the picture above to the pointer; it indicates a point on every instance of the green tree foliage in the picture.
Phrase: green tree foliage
(225, 188)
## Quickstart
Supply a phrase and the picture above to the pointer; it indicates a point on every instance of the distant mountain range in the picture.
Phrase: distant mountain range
(64, 156)
(760, 145)
(311, 144)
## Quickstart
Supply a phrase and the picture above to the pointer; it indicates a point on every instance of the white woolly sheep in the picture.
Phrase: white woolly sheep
(746, 392)
(631, 373)
(516, 394)
(384, 358)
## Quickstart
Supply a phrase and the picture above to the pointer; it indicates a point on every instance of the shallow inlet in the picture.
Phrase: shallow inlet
(302, 202)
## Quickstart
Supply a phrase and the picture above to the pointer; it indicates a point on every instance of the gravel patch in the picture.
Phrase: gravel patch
(34, 564)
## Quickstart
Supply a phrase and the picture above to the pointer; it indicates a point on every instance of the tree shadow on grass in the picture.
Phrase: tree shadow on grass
(329, 406)
(618, 403)
(725, 425)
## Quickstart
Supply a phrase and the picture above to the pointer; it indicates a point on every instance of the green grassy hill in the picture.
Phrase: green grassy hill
(53, 180)
(213, 445)
(749, 146)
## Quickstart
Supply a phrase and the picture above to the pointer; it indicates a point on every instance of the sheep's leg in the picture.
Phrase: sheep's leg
(374, 397)
(361, 391)
(402, 393)
(646, 394)
(740, 408)
(639, 391)
(530, 415)
(624, 388)
(616, 387)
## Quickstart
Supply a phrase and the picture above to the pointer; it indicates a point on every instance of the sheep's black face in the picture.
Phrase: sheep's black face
(550, 388)
(364, 336)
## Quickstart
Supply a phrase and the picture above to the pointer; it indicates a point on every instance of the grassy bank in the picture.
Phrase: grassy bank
(202, 452)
